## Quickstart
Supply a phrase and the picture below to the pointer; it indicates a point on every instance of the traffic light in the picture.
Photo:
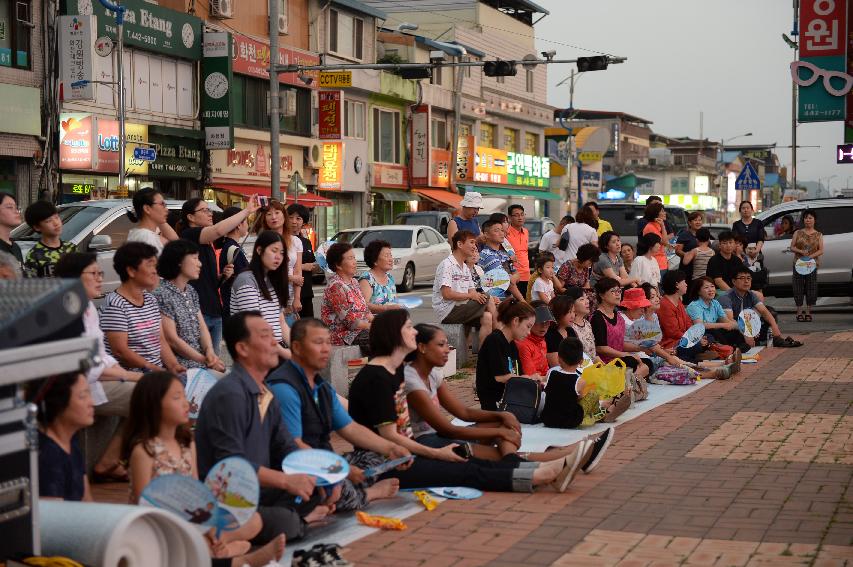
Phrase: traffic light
(597, 63)
(499, 68)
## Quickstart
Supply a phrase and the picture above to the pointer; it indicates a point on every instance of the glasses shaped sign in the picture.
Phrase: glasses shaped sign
(831, 79)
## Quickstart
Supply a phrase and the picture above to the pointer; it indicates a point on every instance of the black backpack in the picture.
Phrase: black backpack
(521, 398)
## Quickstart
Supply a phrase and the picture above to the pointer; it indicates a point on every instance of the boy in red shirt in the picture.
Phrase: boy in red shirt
(532, 350)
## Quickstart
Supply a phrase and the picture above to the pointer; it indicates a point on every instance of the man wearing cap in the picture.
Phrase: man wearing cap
(471, 204)
(532, 350)
(519, 238)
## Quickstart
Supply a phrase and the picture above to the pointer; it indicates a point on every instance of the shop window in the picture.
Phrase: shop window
(346, 35)
(15, 25)
(251, 105)
(386, 136)
(439, 133)
(437, 77)
(487, 135)
(511, 139)
(680, 186)
(464, 130)
(354, 119)
(531, 143)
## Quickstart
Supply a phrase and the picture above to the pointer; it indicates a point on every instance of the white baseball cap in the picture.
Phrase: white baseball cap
(473, 200)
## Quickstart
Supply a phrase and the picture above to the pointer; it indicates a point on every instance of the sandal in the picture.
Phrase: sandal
(801, 317)
(808, 319)
(619, 406)
(787, 342)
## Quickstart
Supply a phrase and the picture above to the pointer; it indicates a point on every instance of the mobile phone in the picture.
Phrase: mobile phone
(263, 200)
(463, 450)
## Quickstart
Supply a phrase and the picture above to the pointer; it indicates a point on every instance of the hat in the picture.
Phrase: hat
(472, 199)
(634, 298)
(543, 314)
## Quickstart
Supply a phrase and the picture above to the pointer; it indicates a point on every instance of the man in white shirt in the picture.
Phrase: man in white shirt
(550, 242)
(454, 297)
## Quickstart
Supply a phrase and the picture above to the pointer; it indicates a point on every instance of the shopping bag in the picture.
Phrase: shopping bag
(609, 379)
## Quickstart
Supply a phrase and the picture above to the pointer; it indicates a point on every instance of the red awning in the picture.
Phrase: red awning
(447, 198)
(307, 199)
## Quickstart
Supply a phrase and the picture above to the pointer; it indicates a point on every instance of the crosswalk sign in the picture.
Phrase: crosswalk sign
(748, 179)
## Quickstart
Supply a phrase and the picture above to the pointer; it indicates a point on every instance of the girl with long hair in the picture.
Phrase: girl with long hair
(274, 217)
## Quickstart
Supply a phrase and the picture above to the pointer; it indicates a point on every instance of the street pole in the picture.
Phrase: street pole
(119, 12)
(794, 32)
(457, 119)
(275, 113)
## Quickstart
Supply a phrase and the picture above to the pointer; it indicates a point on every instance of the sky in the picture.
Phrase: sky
(724, 58)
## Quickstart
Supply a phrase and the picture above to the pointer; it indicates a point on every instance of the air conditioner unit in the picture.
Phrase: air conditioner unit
(222, 9)
(282, 23)
(315, 156)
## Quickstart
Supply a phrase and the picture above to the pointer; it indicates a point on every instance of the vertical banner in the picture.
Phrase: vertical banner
(848, 119)
(465, 160)
(330, 115)
(420, 145)
(331, 170)
(823, 44)
(217, 76)
(76, 56)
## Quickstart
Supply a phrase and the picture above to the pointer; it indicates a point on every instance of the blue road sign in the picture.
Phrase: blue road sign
(145, 154)
(748, 179)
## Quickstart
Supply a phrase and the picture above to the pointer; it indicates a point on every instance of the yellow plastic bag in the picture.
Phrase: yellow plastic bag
(608, 379)
(381, 522)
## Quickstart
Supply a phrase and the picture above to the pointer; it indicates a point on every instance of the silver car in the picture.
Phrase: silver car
(94, 226)
(417, 251)
(835, 221)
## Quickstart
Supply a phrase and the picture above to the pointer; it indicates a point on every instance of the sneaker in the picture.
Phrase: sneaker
(570, 469)
(599, 447)
(330, 555)
(723, 372)
(306, 558)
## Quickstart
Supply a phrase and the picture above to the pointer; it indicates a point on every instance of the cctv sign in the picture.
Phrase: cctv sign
(845, 154)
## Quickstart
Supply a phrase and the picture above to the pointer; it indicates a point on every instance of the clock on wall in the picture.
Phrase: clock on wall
(187, 35)
(216, 85)
(358, 164)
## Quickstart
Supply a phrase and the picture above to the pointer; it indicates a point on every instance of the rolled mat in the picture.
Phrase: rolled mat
(109, 535)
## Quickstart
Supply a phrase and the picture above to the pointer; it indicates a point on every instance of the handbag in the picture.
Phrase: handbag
(638, 388)
(608, 379)
(675, 375)
(521, 398)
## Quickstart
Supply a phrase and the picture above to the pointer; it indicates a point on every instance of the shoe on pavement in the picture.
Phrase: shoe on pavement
(571, 466)
(330, 555)
(737, 356)
(723, 372)
(306, 558)
(787, 342)
(599, 447)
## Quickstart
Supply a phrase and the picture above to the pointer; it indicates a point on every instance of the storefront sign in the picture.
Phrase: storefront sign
(336, 79)
(252, 57)
(420, 145)
(490, 165)
(591, 181)
(330, 115)
(107, 146)
(439, 174)
(176, 157)
(589, 157)
(822, 54)
(21, 110)
(528, 170)
(331, 170)
(147, 26)
(75, 141)
(249, 161)
(76, 56)
(78, 188)
(390, 176)
(217, 76)
(465, 159)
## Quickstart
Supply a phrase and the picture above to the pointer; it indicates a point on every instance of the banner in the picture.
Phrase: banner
(331, 170)
(439, 174)
(75, 141)
(217, 76)
(252, 57)
(490, 165)
(528, 170)
(420, 144)
(465, 159)
(76, 56)
(823, 25)
(330, 115)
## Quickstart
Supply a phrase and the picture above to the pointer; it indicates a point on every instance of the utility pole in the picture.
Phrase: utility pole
(570, 139)
(119, 12)
(275, 149)
(457, 117)
(794, 32)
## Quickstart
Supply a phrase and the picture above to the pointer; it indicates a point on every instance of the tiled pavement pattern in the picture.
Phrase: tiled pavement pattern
(672, 490)
(809, 369)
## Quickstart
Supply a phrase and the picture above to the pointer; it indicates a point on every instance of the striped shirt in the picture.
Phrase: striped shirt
(140, 323)
(245, 296)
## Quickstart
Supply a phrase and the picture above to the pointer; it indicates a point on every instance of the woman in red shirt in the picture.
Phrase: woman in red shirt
(674, 320)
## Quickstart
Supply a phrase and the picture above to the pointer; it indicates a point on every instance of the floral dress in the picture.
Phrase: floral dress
(382, 293)
(343, 306)
(571, 276)
(165, 463)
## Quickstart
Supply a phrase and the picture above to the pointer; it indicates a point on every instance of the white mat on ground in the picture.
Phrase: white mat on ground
(537, 437)
(345, 529)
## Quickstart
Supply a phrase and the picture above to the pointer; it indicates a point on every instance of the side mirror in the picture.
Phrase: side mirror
(101, 242)
(423, 244)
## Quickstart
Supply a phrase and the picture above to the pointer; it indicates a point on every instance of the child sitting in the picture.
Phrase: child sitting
(565, 388)
(543, 280)
(44, 219)
(158, 441)
(700, 255)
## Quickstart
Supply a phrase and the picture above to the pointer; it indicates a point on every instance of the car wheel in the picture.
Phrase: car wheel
(408, 278)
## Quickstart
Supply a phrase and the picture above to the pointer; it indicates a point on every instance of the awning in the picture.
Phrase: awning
(628, 182)
(441, 197)
(390, 195)
(514, 192)
(307, 199)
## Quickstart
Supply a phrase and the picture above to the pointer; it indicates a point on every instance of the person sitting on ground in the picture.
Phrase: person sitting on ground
(493, 255)
(550, 241)
(628, 254)
(565, 389)
(44, 219)
(543, 281)
(150, 213)
(344, 309)
(608, 328)
(455, 298)
(377, 284)
(723, 265)
(584, 231)
(581, 325)
(697, 258)
(183, 322)
(686, 241)
(158, 441)
(231, 254)
(377, 400)
(707, 310)
(740, 297)
(64, 407)
(111, 385)
(646, 268)
(241, 417)
(532, 348)
(610, 264)
(263, 287)
(578, 271)
(312, 412)
(674, 320)
(130, 315)
(562, 310)
(493, 436)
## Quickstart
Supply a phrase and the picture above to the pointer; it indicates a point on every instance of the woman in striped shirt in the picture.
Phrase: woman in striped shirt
(263, 287)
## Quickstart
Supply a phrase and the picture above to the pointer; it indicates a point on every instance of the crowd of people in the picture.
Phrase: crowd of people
(185, 290)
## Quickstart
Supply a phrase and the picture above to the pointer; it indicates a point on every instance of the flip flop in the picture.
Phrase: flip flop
(808, 318)
(801, 318)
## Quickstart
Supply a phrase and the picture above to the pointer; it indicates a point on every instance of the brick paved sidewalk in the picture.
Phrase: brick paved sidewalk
(753, 471)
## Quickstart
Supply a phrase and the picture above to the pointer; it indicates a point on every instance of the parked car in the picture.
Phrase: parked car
(624, 216)
(417, 250)
(835, 274)
(95, 226)
(716, 228)
(433, 219)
